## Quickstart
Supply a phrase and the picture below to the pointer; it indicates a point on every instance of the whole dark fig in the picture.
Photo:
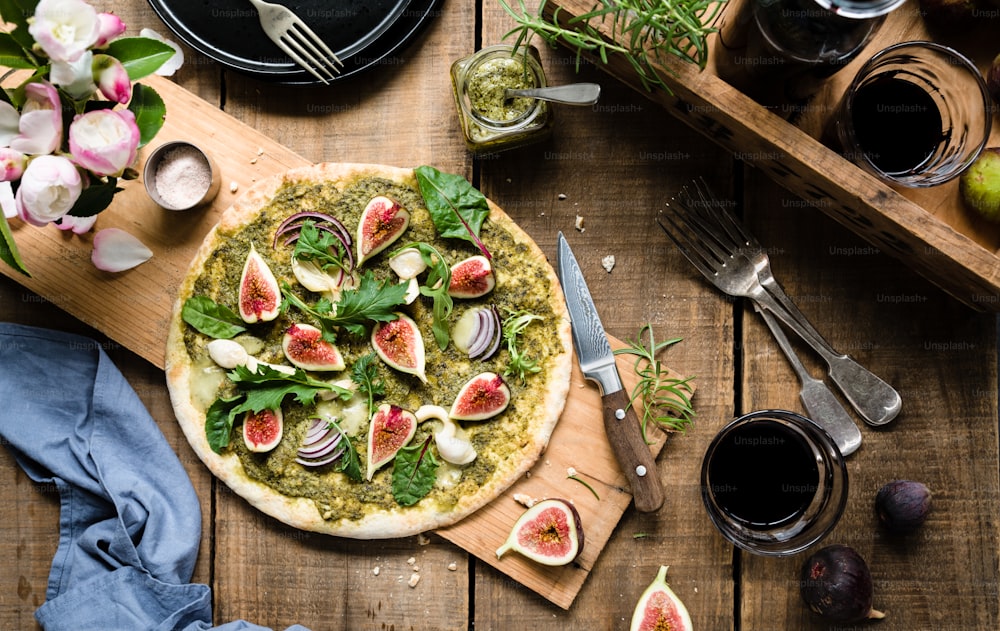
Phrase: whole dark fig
(903, 505)
(837, 584)
(993, 79)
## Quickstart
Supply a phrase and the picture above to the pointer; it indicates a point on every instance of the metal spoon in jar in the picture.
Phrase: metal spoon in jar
(571, 94)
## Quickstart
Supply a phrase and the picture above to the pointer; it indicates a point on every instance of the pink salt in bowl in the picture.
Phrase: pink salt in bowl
(180, 176)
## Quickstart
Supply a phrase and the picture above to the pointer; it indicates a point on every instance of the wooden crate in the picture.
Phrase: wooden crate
(929, 229)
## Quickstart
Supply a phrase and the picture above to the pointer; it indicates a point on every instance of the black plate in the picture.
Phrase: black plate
(363, 33)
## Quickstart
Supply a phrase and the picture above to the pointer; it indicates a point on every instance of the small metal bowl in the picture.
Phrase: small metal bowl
(180, 176)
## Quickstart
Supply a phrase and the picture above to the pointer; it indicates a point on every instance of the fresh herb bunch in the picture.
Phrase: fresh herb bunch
(519, 365)
(643, 31)
(665, 400)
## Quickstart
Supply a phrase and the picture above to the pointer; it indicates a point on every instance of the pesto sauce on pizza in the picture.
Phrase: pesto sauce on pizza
(522, 284)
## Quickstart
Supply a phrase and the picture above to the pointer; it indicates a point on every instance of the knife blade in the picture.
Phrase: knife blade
(597, 362)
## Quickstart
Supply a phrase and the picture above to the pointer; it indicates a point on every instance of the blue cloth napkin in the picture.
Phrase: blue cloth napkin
(129, 521)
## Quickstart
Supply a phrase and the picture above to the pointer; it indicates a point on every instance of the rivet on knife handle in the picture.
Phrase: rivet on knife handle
(634, 457)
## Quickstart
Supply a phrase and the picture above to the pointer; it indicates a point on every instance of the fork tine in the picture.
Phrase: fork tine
(684, 244)
(304, 57)
(319, 46)
(700, 226)
(734, 228)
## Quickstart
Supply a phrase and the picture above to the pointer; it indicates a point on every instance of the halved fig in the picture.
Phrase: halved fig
(550, 533)
(382, 222)
(390, 429)
(305, 347)
(471, 278)
(660, 608)
(260, 296)
(482, 397)
(400, 345)
(262, 430)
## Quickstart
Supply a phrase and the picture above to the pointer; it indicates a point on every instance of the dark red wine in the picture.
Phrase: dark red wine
(896, 123)
(763, 474)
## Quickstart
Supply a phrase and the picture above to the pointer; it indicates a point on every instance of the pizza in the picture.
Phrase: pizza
(368, 351)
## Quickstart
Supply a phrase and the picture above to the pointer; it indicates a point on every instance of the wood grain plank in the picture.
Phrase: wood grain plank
(946, 435)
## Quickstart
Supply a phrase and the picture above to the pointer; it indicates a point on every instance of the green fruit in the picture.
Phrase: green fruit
(980, 184)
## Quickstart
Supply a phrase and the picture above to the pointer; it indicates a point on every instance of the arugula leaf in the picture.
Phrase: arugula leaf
(456, 207)
(211, 318)
(364, 372)
(219, 421)
(413, 473)
(322, 248)
(371, 300)
(264, 389)
(350, 462)
(436, 287)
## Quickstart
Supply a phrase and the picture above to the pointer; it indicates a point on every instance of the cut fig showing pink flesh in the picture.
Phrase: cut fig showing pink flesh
(259, 294)
(471, 278)
(304, 346)
(400, 345)
(550, 533)
(262, 430)
(391, 428)
(660, 608)
(482, 397)
(382, 222)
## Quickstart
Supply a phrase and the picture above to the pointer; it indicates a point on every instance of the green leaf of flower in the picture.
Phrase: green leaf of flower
(141, 56)
(95, 198)
(16, 12)
(12, 54)
(8, 248)
(149, 110)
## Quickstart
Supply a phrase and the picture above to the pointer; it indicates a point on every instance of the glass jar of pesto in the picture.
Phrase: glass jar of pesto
(489, 121)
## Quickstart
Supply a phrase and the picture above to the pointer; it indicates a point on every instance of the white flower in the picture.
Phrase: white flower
(171, 65)
(116, 251)
(7, 200)
(49, 188)
(65, 29)
(41, 120)
(75, 77)
(104, 142)
(9, 119)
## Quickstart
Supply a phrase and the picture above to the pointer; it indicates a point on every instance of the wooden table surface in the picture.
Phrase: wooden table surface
(614, 165)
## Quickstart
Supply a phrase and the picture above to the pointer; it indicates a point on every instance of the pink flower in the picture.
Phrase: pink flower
(76, 78)
(110, 27)
(12, 164)
(104, 142)
(65, 29)
(41, 120)
(49, 187)
(112, 79)
(116, 251)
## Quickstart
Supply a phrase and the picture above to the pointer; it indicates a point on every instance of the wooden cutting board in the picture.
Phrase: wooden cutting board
(61, 272)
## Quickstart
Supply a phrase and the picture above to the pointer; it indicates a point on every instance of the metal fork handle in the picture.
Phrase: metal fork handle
(821, 404)
(875, 401)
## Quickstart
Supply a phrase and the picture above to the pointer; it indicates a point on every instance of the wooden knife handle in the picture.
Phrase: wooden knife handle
(625, 435)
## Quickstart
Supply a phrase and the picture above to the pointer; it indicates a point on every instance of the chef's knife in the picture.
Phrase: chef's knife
(597, 361)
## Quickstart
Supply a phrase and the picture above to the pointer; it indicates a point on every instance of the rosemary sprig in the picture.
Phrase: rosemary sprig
(665, 400)
(644, 32)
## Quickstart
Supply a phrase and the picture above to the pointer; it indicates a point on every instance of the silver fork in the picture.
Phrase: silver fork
(298, 41)
(727, 262)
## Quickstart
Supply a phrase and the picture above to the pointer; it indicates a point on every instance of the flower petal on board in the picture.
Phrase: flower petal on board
(116, 251)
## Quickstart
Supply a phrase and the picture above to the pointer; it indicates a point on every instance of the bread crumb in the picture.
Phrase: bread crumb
(253, 160)
(423, 540)
(452, 566)
(579, 223)
(376, 570)
(411, 561)
(562, 195)
(524, 499)
(414, 579)
(608, 262)
(233, 186)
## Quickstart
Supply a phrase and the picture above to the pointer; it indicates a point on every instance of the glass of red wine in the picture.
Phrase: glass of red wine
(773, 482)
(917, 114)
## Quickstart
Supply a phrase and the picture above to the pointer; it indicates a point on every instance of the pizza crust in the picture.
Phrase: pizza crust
(301, 512)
